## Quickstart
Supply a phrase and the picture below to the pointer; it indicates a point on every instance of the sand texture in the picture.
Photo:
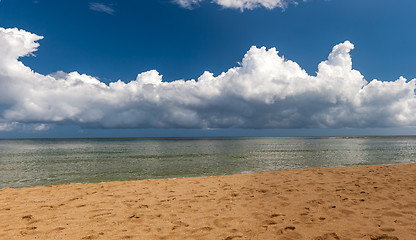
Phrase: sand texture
(368, 202)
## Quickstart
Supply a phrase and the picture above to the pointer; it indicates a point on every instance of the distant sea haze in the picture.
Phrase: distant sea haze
(40, 162)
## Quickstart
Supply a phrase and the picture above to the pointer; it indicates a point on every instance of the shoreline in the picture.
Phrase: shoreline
(360, 202)
(208, 176)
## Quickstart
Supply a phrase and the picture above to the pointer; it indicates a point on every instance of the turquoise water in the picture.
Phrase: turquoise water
(27, 163)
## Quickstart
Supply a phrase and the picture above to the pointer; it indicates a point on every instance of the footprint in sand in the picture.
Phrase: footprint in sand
(277, 215)
(202, 229)
(27, 217)
(30, 219)
(286, 230)
(223, 222)
(179, 224)
(89, 237)
(269, 222)
(262, 190)
(46, 206)
(384, 237)
(289, 233)
(102, 215)
(387, 229)
(328, 236)
(134, 216)
(233, 237)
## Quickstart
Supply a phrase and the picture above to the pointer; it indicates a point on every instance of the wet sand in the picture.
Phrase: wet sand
(367, 202)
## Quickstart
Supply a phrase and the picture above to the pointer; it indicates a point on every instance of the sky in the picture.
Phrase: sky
(167, 68)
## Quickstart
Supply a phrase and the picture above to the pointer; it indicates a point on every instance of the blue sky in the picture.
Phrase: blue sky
(117, 40)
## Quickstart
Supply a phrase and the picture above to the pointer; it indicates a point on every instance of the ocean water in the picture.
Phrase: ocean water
(39, 162)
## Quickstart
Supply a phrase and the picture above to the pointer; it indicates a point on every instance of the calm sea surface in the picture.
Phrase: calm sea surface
(27, 163)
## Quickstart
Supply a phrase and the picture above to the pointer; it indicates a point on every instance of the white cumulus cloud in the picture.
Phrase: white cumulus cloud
(101, 7)
(189, 4)
(239, 4)
(264, 91)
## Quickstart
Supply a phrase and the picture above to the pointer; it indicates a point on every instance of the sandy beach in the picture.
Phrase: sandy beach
(366, 202)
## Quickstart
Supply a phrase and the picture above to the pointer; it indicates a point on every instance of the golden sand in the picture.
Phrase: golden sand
(368, 202)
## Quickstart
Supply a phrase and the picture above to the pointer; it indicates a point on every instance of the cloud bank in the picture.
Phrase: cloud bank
(264, 91)
(239, 4)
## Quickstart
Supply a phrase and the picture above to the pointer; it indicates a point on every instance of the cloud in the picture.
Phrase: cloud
(239, 4)
(188, 4)
(4, 127)
(101, 7)
(264, 91)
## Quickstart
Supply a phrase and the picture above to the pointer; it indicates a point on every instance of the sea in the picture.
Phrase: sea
(43, 162)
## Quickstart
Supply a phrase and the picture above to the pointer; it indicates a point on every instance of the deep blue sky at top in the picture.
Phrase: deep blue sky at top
(179, 43)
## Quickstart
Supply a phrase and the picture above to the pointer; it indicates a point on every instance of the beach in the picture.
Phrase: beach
(365, 202)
